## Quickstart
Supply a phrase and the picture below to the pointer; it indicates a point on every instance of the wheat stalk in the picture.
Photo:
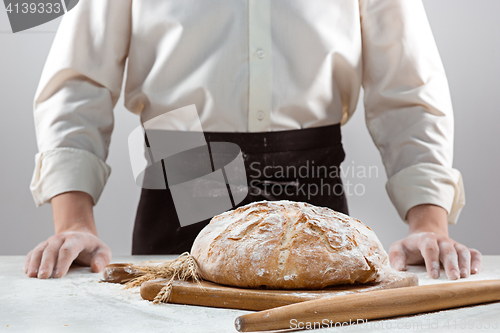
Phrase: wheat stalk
(183, 268)
(165, 293)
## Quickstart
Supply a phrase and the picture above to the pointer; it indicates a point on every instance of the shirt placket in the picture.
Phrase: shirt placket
(260, 66)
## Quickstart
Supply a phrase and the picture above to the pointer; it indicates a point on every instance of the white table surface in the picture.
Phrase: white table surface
(79, 303)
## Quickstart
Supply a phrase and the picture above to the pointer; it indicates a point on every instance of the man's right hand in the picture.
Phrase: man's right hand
(53, 257)
(75, 240)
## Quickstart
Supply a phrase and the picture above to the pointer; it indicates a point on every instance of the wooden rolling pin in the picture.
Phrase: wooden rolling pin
(373, 305)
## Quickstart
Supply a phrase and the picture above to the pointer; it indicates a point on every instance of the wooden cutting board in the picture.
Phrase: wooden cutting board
(215, 295)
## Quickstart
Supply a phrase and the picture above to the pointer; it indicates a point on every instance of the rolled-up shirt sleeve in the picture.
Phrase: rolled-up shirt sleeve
(408, 106)
(73, 107)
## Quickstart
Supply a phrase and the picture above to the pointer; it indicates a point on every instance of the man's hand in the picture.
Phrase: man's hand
(54, 256)
(75, 240)
(428, 243)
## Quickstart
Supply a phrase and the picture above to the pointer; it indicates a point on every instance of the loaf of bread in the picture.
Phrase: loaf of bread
(288, 245)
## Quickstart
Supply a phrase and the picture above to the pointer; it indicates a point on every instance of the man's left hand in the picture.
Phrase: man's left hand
(428, 242)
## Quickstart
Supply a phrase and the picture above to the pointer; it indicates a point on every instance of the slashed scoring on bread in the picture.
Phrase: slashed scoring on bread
(288, 245)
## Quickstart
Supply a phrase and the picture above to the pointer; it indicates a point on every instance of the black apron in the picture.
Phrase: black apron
(297, 165)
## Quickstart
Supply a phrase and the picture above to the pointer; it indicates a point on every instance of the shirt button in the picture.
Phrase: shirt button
(260, 115)
(261, 53)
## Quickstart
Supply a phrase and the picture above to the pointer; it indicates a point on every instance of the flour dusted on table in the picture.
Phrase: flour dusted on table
(288, 245)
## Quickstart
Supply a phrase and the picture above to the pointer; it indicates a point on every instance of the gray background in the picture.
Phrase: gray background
(467, 33)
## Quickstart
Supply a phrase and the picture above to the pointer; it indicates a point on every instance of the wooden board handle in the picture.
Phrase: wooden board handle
(373, 305)
(120, 273)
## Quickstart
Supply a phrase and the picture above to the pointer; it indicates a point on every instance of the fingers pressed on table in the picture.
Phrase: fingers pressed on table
(476, 258)
(35, 259)
(449, 258)
(49, 258)
(429, 249)
(397, 256)
(464, 259)
(100, 259)
(27, 262)
(68, 252)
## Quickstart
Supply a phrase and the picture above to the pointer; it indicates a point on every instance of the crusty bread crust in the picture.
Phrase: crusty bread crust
(288, 245)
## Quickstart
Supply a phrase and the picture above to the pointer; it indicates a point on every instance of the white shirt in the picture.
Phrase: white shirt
(249, 66)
